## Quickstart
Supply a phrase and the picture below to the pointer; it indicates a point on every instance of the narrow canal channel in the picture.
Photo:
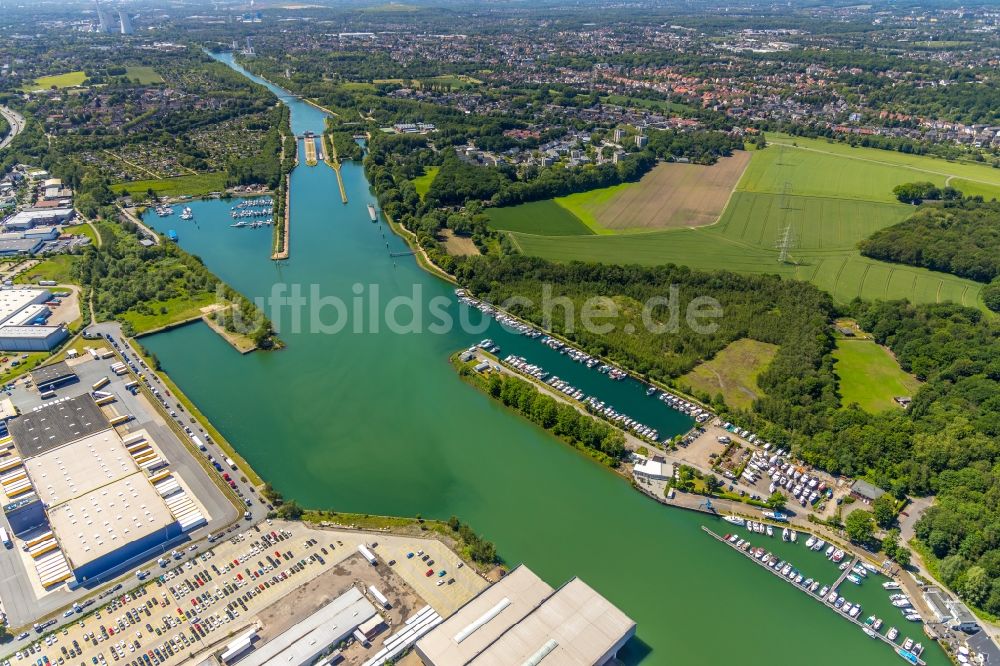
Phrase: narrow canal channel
(379, 422)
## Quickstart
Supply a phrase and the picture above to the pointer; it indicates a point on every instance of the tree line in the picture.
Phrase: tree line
(961, 237)
(598, 439)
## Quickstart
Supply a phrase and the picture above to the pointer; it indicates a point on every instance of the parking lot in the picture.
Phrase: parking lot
(270, 576)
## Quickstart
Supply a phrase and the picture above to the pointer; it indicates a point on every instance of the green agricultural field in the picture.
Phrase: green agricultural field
(144, 74)
(870, 376)
(904, 168)
(67, 80)
(732, 372)
(545, 218)
(194, 185)
(828, 195)
(423, 183)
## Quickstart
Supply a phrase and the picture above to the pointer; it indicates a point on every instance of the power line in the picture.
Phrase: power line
(785, 244)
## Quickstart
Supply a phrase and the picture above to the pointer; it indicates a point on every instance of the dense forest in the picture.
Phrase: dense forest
(960, 237)
(946, 444)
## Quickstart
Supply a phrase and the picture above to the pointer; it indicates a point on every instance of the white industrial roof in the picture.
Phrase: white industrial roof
(108, 518)
(27, 331)
(72, 470)
(520, 620)
(13, 301)
(473, 627)
(301, 643)
(574, 626)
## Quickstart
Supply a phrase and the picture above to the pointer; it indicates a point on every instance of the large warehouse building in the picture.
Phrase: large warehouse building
(21, 312)
(522, 620)
(79, 491)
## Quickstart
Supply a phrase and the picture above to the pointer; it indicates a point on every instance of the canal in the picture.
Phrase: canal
(379, 422)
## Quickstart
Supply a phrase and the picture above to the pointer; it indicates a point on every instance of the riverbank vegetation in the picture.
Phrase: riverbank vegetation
(147, 288)
(457, 535)
(599, 440)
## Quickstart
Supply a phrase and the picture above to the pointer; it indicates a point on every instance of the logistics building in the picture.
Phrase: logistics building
(522, 620)
(22, 320)
(85, 501)
(301, 644)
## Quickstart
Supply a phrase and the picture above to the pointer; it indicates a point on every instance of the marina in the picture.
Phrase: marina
(428, 443)
(830, 595)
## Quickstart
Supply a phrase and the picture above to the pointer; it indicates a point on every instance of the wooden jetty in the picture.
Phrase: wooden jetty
(843, 576)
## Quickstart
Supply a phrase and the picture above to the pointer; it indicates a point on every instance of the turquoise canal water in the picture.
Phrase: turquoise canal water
(379, 422)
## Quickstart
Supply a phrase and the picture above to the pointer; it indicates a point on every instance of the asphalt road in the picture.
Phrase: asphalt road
(16, 122)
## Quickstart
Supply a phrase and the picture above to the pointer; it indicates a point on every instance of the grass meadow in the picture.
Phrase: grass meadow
(144, 74)
(193, 185)
(732, 372)
(543, 218)
(870, 376)
(423, 183)
(67, 80)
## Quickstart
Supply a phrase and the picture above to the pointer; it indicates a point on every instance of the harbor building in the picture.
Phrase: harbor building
(865, 492)
(85, 501)
(523, 620)
(303, 643)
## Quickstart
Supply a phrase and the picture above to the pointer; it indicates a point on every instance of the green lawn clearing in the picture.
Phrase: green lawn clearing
(423, 183)
(67, 80)
(732, 372)
(82, 230)
(58, 268)
(870, 376)
(167, 313)
(193, 185)
(144, 74)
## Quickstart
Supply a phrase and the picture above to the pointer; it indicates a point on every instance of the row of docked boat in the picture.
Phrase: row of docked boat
(164, 210)
(593, 405)
(871, 626)
(257, 202)
(772, 561)
(598, 407)
(842, 605)
(680, 404)
(247, 213)
(583, 357)
(256, 224)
